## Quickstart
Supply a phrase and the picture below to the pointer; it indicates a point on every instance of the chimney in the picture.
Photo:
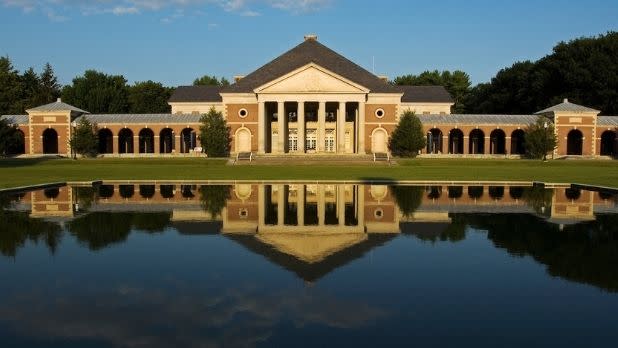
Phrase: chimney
(311, 37)
(58, 100)
(383, 78)
(566, 100)
(238, 78)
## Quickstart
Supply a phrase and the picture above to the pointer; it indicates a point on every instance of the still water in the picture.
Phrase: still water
(171, 265)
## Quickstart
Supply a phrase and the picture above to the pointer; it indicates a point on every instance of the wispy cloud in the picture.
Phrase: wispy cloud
(59, 10)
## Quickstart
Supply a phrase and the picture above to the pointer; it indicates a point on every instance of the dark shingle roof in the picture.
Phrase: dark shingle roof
(16, 119)
(425, 94)
(310, 51)
(196, 94)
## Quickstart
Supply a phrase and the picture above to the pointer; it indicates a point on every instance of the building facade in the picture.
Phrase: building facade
(311, 100)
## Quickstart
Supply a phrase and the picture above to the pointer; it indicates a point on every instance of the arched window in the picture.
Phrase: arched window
(517, 142)
(166, 140)
(146, 141)
(455, 141)
(188, 140)
(575, 142)
(434, 141)
(497, 142)
(477, 142)
(106, 141)
(125, 141)
(609, 144)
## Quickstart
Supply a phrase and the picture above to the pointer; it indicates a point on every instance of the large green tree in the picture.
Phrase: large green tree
(208, 80)
(97, 92)
(457, 83)
(49, 88)
(407, 138)
(540, 138)
(84, 140)
(9, 137)
(585, 70)
(10, 88)
(215, 134)
(149, 97)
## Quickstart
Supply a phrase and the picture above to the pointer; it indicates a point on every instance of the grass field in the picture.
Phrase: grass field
(19, 172)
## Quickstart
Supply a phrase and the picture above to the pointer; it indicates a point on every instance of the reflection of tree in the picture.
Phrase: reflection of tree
(101, 229)
(408, 198)
(84, 196)
(432, 232)
(538, 198)
(18, 227)
(213, 198)
(585, 252)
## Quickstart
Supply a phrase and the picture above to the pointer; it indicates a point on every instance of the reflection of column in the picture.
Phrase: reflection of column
(115, 144)
(301, 126)
(341, 204)
(487, 146)
(361, 206)
(136, 143)
(280, 205)
(156, 144)
(261, 206)
(321, 205)
(507, 145)
(341, 128)
(361, 128)
(466, 145)
(444, 148)
(177, 139)
(281, 127)
(261, 128)
(321, 126)
(300, 205)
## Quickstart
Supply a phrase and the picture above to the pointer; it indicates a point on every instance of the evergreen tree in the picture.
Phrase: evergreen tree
(29, 89)
(540, 139)
(208, 80)
(84, 140)
(97, 92)
(215, 134)
(9, 88)
(49, 88)
(9, 137)
(408, 138)
(149, 97)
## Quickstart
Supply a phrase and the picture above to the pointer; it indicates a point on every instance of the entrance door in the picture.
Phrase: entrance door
(329, 140)
(243, 141)
(378, 143)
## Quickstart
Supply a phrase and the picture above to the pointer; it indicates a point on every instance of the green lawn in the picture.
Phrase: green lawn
(18, 172)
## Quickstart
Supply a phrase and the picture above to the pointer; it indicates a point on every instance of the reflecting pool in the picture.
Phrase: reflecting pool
(305, 265)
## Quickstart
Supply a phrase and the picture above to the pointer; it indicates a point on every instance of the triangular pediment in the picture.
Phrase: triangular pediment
(311, 78)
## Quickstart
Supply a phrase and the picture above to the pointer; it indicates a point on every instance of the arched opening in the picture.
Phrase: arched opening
(455, 192)
(518, 146)
(575, 141)
(455, 141)
(51, 193)
(434, 141)
(516, 192)
(378, 141)
(572, 193)
(50, 141)
(106, 141)
(188, 140)
(187, 191)
(433, 192)
(477, 142)
(125, 141)
(106, 191)
(146, 141)
(19, 147)
(609, 144)
(166, 140)
(167, 191)
(497, 142)
(243, 140)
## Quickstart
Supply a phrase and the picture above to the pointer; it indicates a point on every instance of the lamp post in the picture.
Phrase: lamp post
(545, 126)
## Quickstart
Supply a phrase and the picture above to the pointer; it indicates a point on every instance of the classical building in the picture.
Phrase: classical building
(312, 100)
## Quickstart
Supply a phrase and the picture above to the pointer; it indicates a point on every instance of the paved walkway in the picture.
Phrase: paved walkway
(331, 160)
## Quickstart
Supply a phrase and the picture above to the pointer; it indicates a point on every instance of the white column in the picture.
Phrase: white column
(261, 128)
(361, 128)
(301, 126)
(281, 127)
(341, 128)
(321, 126)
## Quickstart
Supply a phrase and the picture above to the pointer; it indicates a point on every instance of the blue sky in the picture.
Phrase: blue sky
(175, 41)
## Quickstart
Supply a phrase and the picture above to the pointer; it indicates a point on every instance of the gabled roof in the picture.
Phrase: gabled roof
(58, 105)
(567, 106)
(15, 119)
(310, 51)
(425, 94)
(185, 94)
